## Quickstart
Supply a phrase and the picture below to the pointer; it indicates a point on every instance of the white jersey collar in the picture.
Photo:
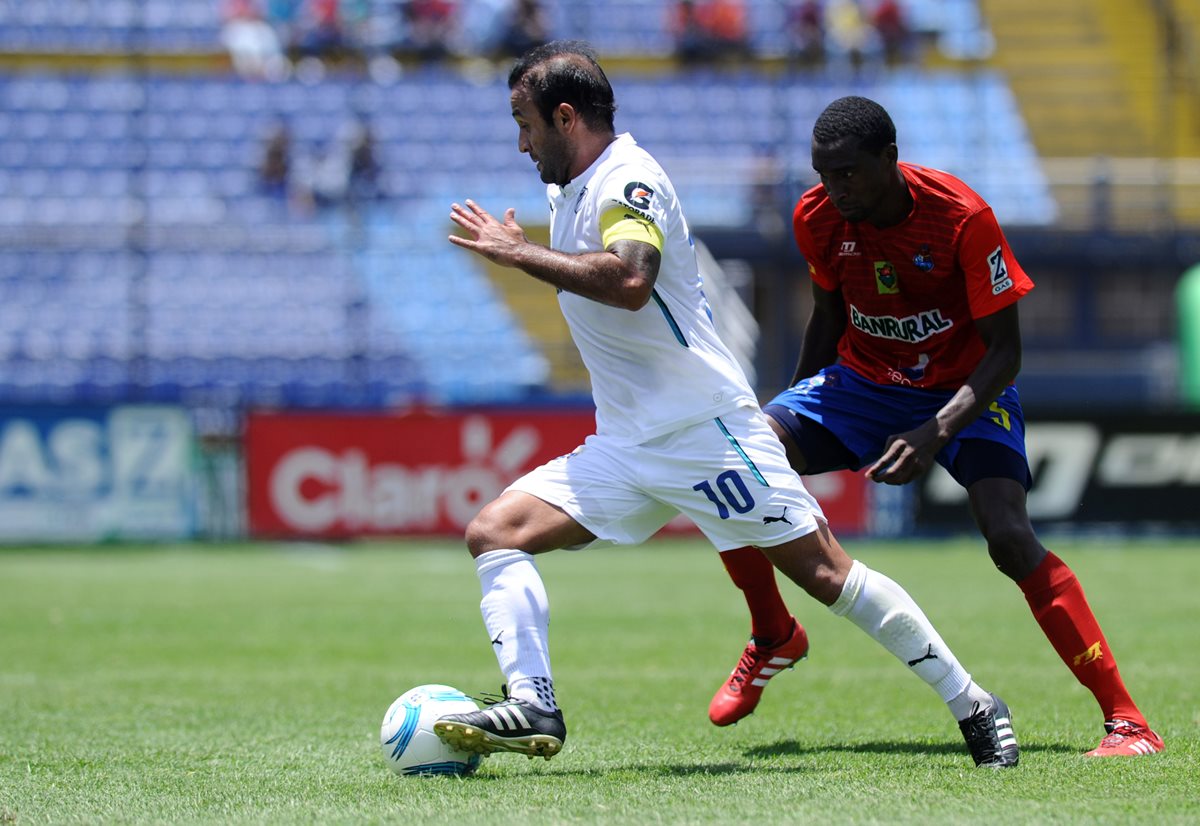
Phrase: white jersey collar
(572, 188)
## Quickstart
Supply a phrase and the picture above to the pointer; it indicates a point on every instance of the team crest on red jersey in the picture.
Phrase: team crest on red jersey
(885, 278)
(923, 260)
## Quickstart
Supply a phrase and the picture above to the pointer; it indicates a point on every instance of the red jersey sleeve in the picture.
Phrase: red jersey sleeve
(993, 277)
(817, 268)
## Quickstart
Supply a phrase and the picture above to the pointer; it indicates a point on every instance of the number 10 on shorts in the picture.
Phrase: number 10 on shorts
(731, 492)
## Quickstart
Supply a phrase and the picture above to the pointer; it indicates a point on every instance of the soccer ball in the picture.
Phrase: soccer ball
(407, 739)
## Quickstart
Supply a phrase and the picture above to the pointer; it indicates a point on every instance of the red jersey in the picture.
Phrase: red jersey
(912, 291)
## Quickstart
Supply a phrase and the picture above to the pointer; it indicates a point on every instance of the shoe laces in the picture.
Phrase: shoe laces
(980, 729)
(489, 698)
(750, 659)
(1121, 731)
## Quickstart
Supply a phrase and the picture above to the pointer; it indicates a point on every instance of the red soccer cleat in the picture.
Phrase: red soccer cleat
(742, 691)
(1127, 740)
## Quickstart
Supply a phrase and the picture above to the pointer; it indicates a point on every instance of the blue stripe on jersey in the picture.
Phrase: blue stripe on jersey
(742, 453)
(670, 319)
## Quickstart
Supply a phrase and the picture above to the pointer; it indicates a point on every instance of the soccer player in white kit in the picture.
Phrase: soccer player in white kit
(678, 428)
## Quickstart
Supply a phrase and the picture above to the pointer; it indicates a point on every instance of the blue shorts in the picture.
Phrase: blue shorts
(856, 417)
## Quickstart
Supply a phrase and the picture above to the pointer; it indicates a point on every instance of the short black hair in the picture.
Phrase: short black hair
(566, 71)
(855, 117)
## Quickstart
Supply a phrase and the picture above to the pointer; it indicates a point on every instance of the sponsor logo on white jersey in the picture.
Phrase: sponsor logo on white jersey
(638, 194)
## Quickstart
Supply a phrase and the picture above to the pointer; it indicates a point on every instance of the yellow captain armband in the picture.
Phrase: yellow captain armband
(620, 224)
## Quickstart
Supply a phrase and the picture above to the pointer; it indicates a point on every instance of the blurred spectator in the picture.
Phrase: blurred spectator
(726, 19)
(893, 31)
(429, 28)
(363, 178)
(355, 20)
(850, 40)
(275, 166)
(806, 32)
(321, 29)
(387, 28)
(691, 38)
(483, 25)
(528, 26)
(252, 44)
(284, 18)
(347, 173)
(281, 174)
(708, 31)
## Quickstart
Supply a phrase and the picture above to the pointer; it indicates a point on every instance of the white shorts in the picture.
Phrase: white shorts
(728, 475)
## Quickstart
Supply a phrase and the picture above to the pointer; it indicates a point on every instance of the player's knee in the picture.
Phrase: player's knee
(816, 565)
(487, 532)
(477, 539)
(824, 583)
(1014, 549)
(505, 523)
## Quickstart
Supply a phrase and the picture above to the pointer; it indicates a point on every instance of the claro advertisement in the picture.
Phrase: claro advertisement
(1121, 469)
(346, 475)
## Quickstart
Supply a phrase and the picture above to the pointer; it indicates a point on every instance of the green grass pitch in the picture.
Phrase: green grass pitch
(246, 684)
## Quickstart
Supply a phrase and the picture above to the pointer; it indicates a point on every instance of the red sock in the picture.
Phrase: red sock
(754, 574)
(1058, 604)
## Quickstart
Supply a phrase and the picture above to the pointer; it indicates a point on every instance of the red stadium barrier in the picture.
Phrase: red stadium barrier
(340, 475)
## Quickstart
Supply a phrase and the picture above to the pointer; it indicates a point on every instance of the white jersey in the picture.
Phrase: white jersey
(662, 367)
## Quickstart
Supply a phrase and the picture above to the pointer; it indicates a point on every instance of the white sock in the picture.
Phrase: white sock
(888, 614)
(516, 613)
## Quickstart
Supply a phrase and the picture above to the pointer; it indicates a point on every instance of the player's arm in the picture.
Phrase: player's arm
(824, 330)
(908, 455)
(827, 321)
(1001, 333)
(994, 283)
(621, 276)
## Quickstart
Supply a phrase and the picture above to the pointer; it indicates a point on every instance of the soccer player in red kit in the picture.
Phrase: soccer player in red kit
(908, 359)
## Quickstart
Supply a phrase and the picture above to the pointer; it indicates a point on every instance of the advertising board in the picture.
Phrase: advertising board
(90, 474)
(1121, 469)
(429, 472)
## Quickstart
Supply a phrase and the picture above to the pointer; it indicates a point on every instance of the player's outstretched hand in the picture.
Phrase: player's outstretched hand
(494, 240)
(907, 456)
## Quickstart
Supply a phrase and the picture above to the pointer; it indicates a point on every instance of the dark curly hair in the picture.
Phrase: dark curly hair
(855, 117)
(566, 71)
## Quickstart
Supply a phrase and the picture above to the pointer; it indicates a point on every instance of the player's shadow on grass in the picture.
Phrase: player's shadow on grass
(779, 749)
(785, 747)
(658, 769)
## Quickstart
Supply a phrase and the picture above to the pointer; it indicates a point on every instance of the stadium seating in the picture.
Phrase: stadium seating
(115, 26)
(616, 27)
(165, 270)
(189, 146)
(639, 26)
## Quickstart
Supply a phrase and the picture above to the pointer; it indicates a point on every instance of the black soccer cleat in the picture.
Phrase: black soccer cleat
(509, 725)
(989, 735)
